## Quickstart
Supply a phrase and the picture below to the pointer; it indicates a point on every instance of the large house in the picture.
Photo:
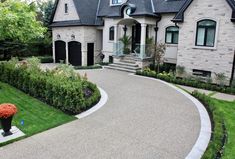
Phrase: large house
(199, 34)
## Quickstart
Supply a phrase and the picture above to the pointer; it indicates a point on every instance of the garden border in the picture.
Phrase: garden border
(100, 104)
(205, 132)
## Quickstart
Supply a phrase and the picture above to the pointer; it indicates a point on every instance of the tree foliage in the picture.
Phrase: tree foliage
(18, 22)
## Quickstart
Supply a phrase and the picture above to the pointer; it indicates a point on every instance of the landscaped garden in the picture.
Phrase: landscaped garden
(33, 116)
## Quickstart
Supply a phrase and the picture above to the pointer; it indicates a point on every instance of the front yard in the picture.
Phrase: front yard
(36, 115)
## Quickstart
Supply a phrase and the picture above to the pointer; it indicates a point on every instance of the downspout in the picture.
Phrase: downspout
(233, 69)
(156, 29)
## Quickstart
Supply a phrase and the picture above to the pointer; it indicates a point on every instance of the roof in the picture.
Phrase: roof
(92, 11)
(180, 15)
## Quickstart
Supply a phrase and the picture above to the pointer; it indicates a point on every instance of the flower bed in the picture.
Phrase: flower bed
(61, 88)
(186, 82)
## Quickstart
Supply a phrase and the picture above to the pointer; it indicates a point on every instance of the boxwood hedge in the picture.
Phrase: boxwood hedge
(67, 94)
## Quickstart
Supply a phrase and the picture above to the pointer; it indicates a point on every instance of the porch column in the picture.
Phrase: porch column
(116, 33)
(115, 44)
(143, 40)
(67, 53)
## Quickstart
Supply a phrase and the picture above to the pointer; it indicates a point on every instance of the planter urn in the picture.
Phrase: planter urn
(6, 126)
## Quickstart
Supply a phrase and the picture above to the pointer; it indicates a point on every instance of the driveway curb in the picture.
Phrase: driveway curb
(205, 132)
(100, 104)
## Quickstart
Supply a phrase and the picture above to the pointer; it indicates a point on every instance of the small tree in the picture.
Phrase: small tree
(220, 79)
(126, 40)
(158, 53)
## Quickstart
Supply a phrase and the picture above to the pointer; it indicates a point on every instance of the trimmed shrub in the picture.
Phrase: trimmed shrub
(54, 88)
(186, 82)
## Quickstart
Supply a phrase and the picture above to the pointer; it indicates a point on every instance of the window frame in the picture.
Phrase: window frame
(111, 33)
(112, 2)
(206, 33)
(173, 35)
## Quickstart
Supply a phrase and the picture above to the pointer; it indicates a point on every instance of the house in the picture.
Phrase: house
(199, 34)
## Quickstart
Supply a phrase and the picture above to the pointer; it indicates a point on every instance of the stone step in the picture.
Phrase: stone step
(125, 66)
(128, 61)
(132, 64)
(120, 69)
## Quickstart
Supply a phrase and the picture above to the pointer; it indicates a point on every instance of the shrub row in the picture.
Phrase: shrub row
(216, 146)
(66, 94)
(187, 82)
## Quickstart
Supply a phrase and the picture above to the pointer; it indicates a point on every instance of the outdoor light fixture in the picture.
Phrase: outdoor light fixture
(58, 36)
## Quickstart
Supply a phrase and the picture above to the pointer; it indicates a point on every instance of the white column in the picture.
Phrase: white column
(143, 40)
(53, 49)
(116, 33)
(67, 53)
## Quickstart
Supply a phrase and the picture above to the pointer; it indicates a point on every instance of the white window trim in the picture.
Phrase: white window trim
(111, 3)
(216, 34)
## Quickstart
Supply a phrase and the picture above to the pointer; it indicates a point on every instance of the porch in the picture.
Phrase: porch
(133, 39)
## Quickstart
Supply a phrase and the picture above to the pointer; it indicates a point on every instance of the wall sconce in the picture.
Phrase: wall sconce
(58, 36)
(73, 37)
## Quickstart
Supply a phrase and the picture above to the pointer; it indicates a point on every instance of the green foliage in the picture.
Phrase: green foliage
(18, 22)
(46, 9)
(170, 77)
(37, 116)
(126, 40)
(61, 88)
(180, 71)
(220, 78)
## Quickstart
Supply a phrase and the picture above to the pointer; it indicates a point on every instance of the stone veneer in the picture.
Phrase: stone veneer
(218, 59)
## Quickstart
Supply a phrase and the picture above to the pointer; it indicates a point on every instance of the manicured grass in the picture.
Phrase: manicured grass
(37, 116)
(227, 111)
(222, 116)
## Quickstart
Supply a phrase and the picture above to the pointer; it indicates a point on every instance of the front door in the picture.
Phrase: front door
(136, 35)
(90, 54)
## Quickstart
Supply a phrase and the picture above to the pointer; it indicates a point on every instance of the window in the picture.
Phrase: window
(66, 9)
(201, 73)
(206, 33)
(172, 35)
(111, 33)
(116, 2)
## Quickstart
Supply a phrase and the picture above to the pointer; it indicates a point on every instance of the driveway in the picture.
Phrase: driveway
(143, 119)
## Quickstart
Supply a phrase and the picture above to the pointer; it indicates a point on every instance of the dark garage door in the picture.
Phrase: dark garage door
(60, 51)
(75, 53)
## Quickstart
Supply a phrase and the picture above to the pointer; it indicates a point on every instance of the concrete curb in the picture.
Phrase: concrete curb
(102, 102)
(205, 133)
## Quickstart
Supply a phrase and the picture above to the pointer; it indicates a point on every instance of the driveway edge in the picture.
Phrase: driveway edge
(100, 104)
(205, 132)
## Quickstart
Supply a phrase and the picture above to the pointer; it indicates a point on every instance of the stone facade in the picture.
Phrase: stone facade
(60, 14)
(218, 59)
(82, 34)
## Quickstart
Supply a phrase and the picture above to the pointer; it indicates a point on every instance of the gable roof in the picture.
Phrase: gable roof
(168, 6)
(86, 9)
(180, 15)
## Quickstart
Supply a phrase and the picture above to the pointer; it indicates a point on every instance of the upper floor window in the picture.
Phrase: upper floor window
(114, 2)
(66, 8)
(206, 30)
(172, 35)
(111, 33)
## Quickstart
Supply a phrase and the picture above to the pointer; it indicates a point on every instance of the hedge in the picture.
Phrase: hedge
(187, 82)
(66, 94)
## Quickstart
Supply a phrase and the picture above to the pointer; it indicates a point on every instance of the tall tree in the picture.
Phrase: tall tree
(18, 25)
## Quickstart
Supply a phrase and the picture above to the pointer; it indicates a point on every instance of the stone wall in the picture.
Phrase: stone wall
(60, 14)
(83, 35)
(218, 59)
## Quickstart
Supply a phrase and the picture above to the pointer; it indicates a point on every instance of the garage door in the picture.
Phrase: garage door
(60, 51)
(75, 53)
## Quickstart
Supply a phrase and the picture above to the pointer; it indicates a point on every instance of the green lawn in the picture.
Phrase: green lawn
(227, 111)
(37, 116)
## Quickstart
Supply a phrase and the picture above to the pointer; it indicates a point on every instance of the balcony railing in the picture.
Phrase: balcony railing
(140, 51)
